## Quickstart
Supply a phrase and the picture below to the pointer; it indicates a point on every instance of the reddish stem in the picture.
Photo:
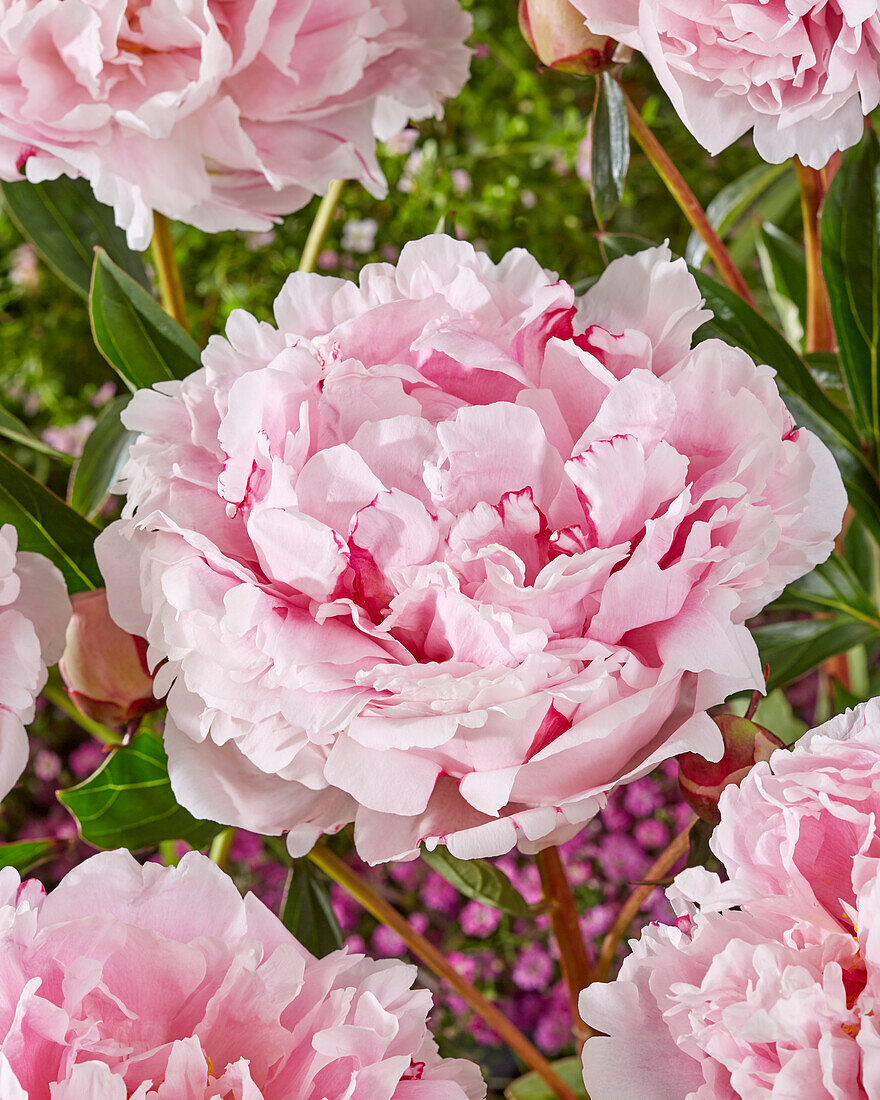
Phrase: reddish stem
(819, 330)
(577, 970)
(434, 959)
(687, 200)
(661, 866)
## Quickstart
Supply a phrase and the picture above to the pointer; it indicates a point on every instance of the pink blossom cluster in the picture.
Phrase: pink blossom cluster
(801, 73)
(451, 553)
(767, 984)
(221, 113)
(34, 611)
(158, 983)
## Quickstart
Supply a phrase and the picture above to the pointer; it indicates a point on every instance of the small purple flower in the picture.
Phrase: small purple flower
(86, 758)
(534, 968)
(437, 893)
(554, 1030)
(479, 920)
(621, 857)
(47, 765)
(643, 798)
(651, 834)
(614, 817)
(597, 920)
(386, 943)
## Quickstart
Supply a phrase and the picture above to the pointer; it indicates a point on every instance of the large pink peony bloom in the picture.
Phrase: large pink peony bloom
(34, 610)
(161, 983)
(452, 553)
(803, 73)
(222, 113)
(778, 997)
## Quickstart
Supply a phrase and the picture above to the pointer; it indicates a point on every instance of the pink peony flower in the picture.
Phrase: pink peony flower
(34, 610)
(766, 985)
(222, 113)
(234, 1006)
(803, 73)
(452, 553)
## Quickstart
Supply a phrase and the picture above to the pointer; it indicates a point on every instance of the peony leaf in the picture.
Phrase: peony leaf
(478, 879)
(832, 586)
(732, 202)
(25, 855)
(65, 223)
(128, 801)
(849, 618)
(609, 148)
(105, 451)
(737, 323)
(792, 649)
(307, 913)
(47, 525)
(132, 331)
(17, 431)
(850, 237)
(531, 1087)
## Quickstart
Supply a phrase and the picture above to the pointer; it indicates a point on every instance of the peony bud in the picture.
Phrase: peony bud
(104, 668)
(556, 31)
(702, 781)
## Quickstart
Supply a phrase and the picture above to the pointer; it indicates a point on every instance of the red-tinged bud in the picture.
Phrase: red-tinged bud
(702, 781)
(556, 31)
(105, 669)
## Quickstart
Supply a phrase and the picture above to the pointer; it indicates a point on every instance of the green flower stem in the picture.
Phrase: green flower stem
(687, 200)
(320, 225)
(577, 970)
(435, 960)
(58, 697)
(661, 866)
(167, 271)
(220, 846)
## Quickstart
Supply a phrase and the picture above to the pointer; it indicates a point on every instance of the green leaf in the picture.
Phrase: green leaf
(609, 155)
(105, 451)
(48, 526)
(850, 239)
(737, 323)
(307, 913)
(18, 432)
(25, 855)
(846, 617)
(531, 1087)
(785, 278)
(792, 649)
(132, 331)
(832, 586)
(65, 223)
(128, 801)
(731, 203)
(475, 878)
(788, 261)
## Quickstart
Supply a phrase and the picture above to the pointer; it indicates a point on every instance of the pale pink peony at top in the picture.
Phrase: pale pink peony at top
(803, 73)
(34, 610)
(222, 113)
(779, 997)
(132, 982)
(452, 553)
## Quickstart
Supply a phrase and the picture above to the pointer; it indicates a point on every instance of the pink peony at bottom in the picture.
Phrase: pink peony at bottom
(34, 611)
(452, 553)
(767, 985)
(802, 73)
(132, 982)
